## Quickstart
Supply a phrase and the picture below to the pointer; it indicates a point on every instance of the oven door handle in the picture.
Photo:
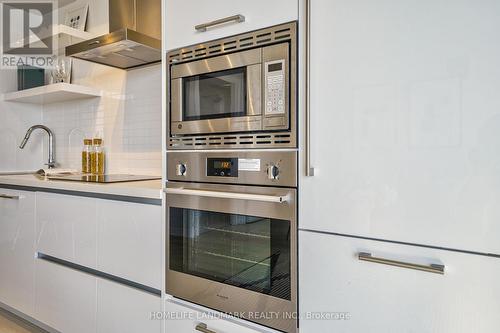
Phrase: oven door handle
(228, 195)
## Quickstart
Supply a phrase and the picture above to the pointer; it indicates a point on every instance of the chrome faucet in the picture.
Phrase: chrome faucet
(52, 162)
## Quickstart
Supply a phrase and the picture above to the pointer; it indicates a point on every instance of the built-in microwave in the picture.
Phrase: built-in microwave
(238, 85)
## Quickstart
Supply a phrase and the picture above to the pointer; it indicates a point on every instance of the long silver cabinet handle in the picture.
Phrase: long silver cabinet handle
(236, 18)
(202, 327)
(12, 197)
(309, 168)
(227, 195)
(432, 268)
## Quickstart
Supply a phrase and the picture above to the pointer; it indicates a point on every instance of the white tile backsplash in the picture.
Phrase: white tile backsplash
(15, 119)
(127, 117)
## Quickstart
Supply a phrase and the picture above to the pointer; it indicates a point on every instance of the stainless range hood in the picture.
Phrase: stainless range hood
(134, 39)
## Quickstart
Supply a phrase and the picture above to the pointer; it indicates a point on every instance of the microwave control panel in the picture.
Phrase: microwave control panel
(275, 87)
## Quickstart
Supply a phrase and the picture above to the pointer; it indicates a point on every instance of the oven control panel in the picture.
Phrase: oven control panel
(272, 168)
(275, 87)
(222, 167)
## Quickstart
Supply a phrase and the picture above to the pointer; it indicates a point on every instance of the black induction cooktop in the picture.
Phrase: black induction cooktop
(104, 179)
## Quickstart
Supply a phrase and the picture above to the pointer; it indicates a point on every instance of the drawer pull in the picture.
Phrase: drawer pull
(202, 327)
(12, 197)
(236, 18)
(432, 268)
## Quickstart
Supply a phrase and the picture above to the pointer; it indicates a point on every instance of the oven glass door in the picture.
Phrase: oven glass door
(221, 94)
(250, 252)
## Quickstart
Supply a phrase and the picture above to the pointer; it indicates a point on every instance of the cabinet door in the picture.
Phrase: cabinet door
(181, 17)
(17, 249)
(66, 227)
(363, 296)
(129, 241)
(185, 319)
(405, 127)
(65, 298)
(126, 310)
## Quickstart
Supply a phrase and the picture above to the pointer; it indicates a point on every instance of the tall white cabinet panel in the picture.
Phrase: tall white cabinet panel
(66, 228)
(405, 122)
(126, 310)
(372, 297)
(129, 241)
(65, 298)
(181, 17)
(17, 249)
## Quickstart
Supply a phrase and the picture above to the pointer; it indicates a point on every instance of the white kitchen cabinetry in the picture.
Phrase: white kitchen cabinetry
(405, 122)
(129, 241)
(65, 298)
(66, 228)
(119, 238)
(123, 309)
(17, 249)
(181, 17)
(382, 298)
(184, 319)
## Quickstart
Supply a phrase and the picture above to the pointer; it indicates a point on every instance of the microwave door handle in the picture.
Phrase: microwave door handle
(228, 195)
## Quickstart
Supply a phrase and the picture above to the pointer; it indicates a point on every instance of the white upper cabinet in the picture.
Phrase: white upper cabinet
(17, 249)
(181, 17)
(405, 122)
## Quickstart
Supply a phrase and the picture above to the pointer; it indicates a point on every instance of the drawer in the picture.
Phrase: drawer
(65, 299)
(126, 310)
(66, 227)
(362, 296)
(184, 317)
(129, 241)
(181, 19)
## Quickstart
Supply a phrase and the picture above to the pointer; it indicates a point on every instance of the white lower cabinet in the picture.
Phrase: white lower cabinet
(364, 296)
(116, 237)
(123, 309)
(17, 249)
(65, 298)
(184, 319)
(66, 227)
(129, 241)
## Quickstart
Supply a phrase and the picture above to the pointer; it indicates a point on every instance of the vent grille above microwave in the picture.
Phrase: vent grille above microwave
(258, 140)
(271, 35)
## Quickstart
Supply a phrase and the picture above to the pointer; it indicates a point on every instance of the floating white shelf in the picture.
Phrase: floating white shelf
(52, 93)
(62, 29)
(63, 34)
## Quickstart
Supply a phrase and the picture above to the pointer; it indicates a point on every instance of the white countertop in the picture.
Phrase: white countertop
(149, 189)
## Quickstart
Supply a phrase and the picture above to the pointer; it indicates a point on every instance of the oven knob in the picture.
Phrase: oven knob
(181, 169)
(273, 172)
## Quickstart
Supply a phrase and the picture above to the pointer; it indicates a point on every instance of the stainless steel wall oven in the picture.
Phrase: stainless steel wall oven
(235, 92)
(233, 247)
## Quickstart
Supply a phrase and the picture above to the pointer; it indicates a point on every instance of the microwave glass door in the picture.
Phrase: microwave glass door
(249, 252)
(221, 94)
